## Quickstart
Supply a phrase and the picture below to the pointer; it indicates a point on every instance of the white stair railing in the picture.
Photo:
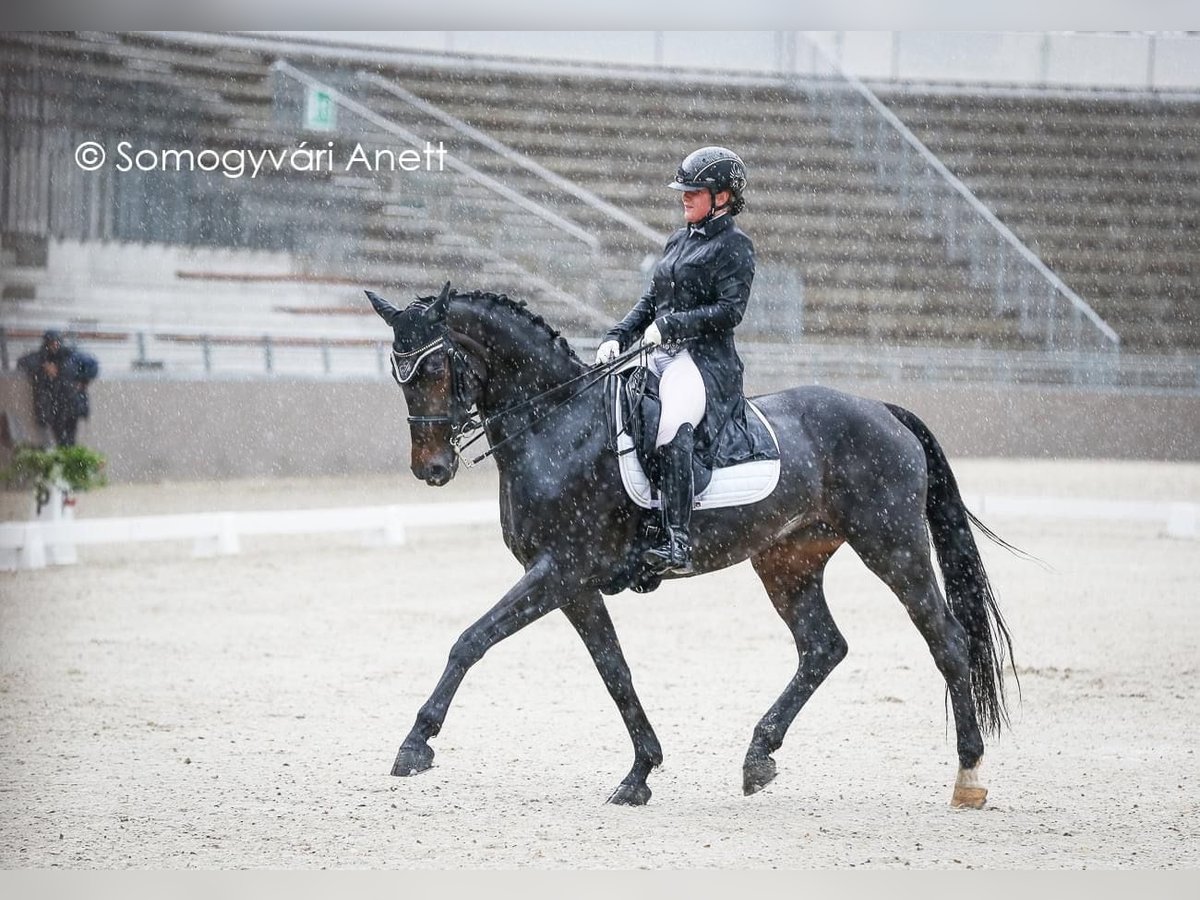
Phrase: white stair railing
(565, 226)
(1022, 285)
(654, 238)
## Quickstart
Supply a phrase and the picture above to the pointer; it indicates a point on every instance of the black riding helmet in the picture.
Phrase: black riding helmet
(714, 169)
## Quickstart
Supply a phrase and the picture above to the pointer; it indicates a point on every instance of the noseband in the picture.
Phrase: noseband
(462, 416)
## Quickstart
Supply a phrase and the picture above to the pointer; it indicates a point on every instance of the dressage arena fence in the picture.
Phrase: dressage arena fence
(36, 544)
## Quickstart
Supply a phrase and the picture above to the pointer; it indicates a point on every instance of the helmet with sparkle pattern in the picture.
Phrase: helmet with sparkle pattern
(714, 169)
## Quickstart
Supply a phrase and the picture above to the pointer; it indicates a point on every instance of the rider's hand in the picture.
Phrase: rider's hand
(652, 337)
(607, 350)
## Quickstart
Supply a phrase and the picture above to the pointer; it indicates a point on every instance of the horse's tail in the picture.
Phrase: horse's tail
(968, 591)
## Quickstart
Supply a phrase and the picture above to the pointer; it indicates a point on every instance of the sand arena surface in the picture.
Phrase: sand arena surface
(164, 711)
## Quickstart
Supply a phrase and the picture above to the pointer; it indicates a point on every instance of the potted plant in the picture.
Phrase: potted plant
(60, 469)
(55, 475)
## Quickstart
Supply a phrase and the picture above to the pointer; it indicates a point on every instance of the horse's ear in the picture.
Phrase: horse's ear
(437, 309)
(386, 311)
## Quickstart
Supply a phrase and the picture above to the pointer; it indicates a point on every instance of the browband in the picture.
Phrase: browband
(405, 365)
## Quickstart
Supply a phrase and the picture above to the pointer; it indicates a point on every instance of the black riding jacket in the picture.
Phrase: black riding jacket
(698, 295)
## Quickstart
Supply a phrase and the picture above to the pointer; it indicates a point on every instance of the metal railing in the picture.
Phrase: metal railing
(778, 305)
(242, 354)
(622, 239)
(1022, 287)
(565, 226)
(515, 232)
(654, 238)
(211, 352)
(831, 363)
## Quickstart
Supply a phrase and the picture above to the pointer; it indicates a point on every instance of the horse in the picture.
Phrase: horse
(853, 471)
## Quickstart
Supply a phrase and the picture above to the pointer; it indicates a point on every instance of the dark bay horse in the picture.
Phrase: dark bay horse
(854, 471)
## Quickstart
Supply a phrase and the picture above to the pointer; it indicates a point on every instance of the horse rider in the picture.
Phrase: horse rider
(696, 297)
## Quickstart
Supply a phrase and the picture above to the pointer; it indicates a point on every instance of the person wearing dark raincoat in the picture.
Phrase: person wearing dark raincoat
(697, 296)
(60, 376)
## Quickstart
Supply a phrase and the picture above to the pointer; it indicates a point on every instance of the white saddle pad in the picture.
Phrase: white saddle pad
(738, 485)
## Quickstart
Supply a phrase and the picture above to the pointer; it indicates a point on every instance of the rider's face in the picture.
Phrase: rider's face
(696, 205)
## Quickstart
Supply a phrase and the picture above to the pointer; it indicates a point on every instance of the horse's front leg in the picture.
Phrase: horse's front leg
(590, 617)
(539, 591)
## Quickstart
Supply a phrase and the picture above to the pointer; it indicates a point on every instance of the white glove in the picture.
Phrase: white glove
(606, 351)
(652, 337)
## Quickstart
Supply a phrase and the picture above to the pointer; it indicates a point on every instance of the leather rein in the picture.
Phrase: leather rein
(463, 417)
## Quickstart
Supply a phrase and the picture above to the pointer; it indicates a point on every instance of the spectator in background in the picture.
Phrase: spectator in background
(60, 376)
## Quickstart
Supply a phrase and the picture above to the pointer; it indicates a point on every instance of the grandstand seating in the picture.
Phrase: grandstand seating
(1105, 190)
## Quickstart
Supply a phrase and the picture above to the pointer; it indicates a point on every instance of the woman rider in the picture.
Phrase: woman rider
(696, 297)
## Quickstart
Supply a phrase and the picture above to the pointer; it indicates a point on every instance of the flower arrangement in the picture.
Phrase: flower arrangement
(66, 468)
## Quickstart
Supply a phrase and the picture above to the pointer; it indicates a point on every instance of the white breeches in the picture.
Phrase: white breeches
(681, 389)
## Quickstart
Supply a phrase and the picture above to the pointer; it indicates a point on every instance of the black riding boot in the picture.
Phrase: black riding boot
(676, 490)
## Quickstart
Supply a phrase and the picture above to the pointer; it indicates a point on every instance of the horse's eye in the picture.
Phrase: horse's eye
(434, 365)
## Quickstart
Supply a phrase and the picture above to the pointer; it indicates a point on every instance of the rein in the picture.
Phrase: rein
(405, 365)
(596, 374)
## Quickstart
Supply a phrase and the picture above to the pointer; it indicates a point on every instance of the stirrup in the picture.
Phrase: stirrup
(673, 556)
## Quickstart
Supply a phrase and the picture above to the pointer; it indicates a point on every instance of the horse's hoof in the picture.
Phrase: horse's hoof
(968, 797)
(969, 792)
(411, 760)
(630, 795)
(757, 774)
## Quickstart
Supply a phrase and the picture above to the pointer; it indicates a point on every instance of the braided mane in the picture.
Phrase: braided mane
(555, 338)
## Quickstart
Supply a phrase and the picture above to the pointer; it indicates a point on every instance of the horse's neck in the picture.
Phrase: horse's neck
(522, 364)
(513, 382)
(549, 433)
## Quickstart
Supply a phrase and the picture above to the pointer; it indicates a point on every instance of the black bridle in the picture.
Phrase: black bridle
(463, 417)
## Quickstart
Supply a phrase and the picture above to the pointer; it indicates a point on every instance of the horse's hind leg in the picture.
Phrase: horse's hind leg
(590, 617)
(792, 571)
(896, 548)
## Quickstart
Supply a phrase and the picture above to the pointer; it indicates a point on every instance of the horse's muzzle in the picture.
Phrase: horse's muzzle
(437, 474)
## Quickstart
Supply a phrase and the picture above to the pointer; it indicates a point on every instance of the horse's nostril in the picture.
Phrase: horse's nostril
(438, 474)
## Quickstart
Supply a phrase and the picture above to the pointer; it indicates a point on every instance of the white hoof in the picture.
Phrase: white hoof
(969, 792)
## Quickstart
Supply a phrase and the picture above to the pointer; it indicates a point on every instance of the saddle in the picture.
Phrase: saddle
(751, 469)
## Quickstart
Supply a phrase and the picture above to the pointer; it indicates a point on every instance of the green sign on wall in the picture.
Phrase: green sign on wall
(320, 112)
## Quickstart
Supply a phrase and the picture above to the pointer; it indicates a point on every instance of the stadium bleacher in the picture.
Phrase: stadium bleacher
(1106, 190)
(1103, 189)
